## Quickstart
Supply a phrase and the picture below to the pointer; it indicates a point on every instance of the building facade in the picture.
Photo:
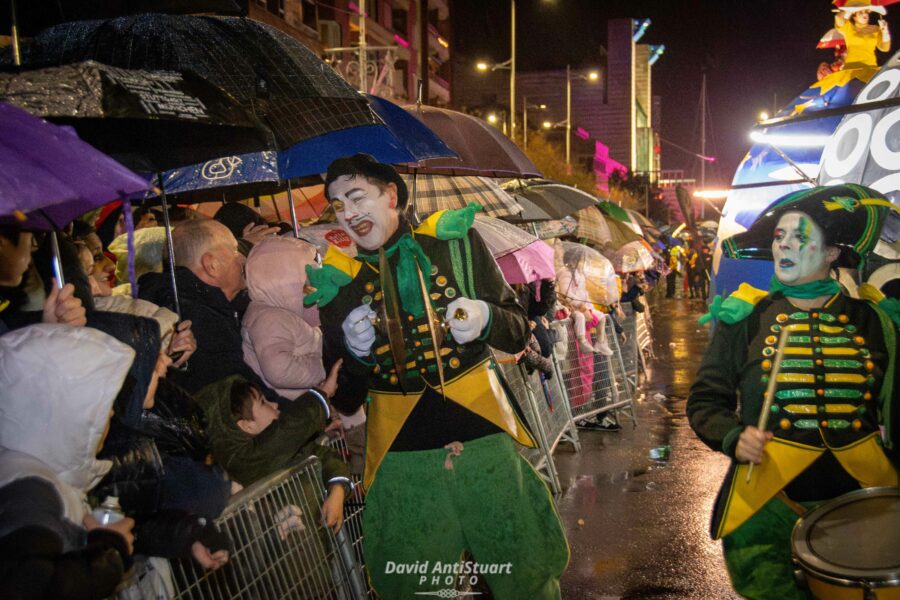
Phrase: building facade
(618, 110)
(392, 55)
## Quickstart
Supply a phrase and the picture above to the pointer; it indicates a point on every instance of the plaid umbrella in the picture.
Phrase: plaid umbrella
(603, 230)
(439, 192)
(592, 226)
(269, 73)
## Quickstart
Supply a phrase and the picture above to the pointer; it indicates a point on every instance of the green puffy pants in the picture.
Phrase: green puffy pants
(421, 516)
(758, 554)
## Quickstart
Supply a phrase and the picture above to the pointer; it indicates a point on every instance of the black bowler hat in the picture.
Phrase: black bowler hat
(366, 165)
(850, 215)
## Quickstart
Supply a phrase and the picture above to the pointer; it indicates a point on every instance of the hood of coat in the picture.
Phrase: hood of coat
(149, 252)
(58, 385)
(276, 273)
(225, 435)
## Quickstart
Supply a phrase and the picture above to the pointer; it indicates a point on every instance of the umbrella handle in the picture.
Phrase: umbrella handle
(56, 261)
(169, 245)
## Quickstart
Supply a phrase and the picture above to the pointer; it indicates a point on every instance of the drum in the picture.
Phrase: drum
(850, 546)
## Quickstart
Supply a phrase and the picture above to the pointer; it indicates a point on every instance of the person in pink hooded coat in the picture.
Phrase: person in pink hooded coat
(282, 339)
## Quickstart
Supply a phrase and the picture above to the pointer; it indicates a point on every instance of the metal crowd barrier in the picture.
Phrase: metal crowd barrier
(280, 546)
(596, 383)
(631, 351)
(354, 506)
(643, 327)
(541, 458)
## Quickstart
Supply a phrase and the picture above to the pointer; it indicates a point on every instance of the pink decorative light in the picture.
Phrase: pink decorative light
(582, 133)
(355, 8)
(401, 41)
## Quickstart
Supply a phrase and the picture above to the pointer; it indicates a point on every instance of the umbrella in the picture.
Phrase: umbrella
(584, 275)
(592, 227)
(501, 237)
(273, 76)
(34, 16)
(399, 138)
(531, 212)
(842, 3)
(633, 256)
(832, 39)
(531, 263)
(522, 257)
(556, 199)
(49, 176)
(147, 120)
(556, 228)
(482, 149)
(616, 212)
(439, 192)
(647, 226)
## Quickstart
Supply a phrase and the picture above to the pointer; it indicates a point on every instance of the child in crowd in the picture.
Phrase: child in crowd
(253, 437)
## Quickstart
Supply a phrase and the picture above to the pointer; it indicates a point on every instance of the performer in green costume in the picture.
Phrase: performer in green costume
(834, 413)
(442, 475)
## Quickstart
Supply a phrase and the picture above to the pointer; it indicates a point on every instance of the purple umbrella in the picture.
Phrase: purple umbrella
(49, 176)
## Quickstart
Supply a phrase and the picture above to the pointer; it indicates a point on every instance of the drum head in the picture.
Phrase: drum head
(855, 536)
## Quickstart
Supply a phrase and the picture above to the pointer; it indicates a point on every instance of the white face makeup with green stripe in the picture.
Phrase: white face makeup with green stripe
(799, 250)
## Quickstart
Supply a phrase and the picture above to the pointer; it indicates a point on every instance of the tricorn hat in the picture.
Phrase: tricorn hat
(850, 215)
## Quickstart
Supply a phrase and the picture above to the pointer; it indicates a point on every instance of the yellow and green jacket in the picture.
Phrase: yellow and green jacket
(834, 411)
(416, 414)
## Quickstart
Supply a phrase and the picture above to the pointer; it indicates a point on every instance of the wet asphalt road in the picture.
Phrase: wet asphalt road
(637, 527)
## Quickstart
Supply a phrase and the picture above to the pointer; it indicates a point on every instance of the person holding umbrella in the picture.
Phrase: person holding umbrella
(825, 424)
(60, 306)
(442, 475)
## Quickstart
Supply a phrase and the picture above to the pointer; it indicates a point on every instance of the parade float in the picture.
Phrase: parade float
(842, 129)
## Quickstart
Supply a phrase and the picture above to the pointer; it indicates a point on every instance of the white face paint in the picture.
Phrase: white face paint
(367, 214)
(798, 249)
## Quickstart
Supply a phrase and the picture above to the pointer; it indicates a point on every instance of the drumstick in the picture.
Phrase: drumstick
(770, 389)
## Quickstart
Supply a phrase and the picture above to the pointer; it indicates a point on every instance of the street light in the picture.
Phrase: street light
(592, 76)
(507, 64)
(492, 118)
(525, 108)
(763, 116)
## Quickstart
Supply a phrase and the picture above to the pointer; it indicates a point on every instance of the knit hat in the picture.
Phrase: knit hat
(850, 215)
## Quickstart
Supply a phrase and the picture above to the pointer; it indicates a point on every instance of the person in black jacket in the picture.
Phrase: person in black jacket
(209, 274)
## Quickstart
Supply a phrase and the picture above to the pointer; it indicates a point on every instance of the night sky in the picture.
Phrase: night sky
(752, 53)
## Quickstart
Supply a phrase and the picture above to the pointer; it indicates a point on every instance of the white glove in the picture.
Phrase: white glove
(466, 329)
(359, 332)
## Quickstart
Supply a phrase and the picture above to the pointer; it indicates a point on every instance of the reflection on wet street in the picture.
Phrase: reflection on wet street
(636, 504)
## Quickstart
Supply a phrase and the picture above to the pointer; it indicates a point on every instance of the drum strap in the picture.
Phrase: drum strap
(791, 504)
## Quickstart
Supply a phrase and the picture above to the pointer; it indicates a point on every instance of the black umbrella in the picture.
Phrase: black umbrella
(36, 15)
(269, 73)
(147, 120)
(553, 197)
